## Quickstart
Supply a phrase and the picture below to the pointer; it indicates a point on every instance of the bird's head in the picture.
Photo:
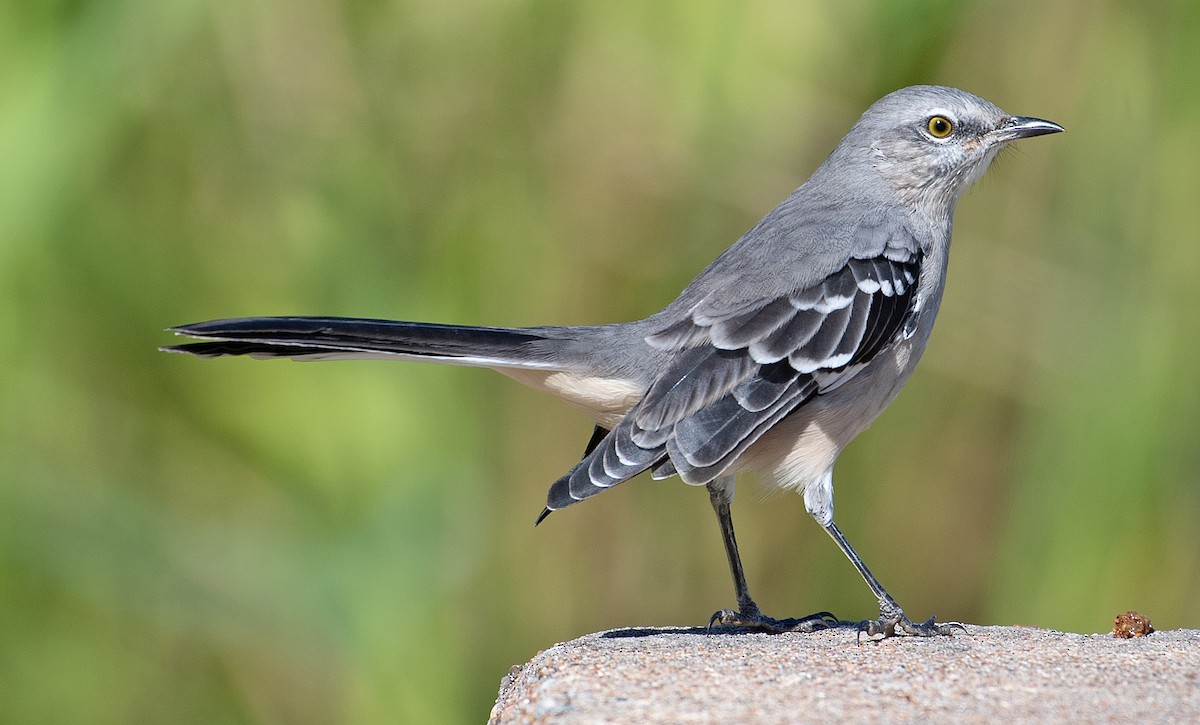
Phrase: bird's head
(928, 143)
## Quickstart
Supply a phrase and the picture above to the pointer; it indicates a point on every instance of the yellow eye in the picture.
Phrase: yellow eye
(940, 127)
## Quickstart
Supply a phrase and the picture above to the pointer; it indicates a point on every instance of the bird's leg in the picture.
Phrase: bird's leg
(720, 493)
(891, 617)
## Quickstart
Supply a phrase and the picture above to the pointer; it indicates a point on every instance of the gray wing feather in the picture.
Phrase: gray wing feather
(721, 446)
(738, 331)
(796, 332)
(614, 460)
(716, 433)
(818, 352)
(764, 389)
(695, 378)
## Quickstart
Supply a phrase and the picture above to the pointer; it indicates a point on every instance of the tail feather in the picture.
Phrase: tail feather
(311, 338)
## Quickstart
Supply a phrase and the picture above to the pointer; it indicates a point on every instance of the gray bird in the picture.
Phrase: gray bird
(772, 360)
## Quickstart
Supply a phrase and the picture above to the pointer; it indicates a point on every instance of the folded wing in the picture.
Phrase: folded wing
(736, 372)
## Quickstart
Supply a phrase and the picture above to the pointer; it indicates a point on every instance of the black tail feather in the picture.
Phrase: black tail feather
(314, 336)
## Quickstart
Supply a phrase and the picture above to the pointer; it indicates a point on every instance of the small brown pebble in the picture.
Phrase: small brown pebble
(1131, 624)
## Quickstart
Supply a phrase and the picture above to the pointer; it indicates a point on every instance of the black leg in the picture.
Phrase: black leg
(720, 493)
(891, 616)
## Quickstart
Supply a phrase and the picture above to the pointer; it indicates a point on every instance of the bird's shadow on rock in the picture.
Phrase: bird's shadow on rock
(633, 632)
(649, 632)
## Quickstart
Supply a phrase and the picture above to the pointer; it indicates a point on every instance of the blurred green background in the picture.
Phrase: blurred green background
(244, 541)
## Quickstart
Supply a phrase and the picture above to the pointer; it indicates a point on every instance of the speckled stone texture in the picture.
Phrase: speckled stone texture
(991, 674)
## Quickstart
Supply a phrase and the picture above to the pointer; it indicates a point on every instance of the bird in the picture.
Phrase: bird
(775, 356)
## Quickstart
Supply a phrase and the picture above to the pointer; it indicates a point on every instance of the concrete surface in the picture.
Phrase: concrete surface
(991, 674)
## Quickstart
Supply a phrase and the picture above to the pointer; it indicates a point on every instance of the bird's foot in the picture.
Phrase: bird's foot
(750, 617)
(893, 622)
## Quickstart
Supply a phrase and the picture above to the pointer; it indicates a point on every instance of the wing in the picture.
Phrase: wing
(737, 372)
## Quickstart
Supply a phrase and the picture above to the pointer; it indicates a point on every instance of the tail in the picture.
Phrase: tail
(590, 356)
(325, 338)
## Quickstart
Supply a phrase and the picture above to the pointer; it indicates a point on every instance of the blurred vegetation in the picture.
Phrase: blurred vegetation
(239, 541)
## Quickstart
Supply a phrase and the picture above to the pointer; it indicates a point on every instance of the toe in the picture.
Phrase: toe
(756, 620)
(891, 626)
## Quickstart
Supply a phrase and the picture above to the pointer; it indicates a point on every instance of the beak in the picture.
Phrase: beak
(1024, 127)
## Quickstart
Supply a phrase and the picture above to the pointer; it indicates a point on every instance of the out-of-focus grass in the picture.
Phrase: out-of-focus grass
(271, 542)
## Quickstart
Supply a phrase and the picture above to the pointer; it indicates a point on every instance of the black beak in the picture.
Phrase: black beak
(1024, 127)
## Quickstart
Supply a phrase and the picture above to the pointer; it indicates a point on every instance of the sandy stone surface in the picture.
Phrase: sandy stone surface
(991, 674)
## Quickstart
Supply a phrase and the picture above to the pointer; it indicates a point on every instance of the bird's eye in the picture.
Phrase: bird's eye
(939, 127)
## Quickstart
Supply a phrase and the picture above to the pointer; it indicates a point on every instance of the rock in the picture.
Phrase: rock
(990, 674)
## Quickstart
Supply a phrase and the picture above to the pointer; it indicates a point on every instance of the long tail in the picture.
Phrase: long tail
(588, 365)
(321, 338)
